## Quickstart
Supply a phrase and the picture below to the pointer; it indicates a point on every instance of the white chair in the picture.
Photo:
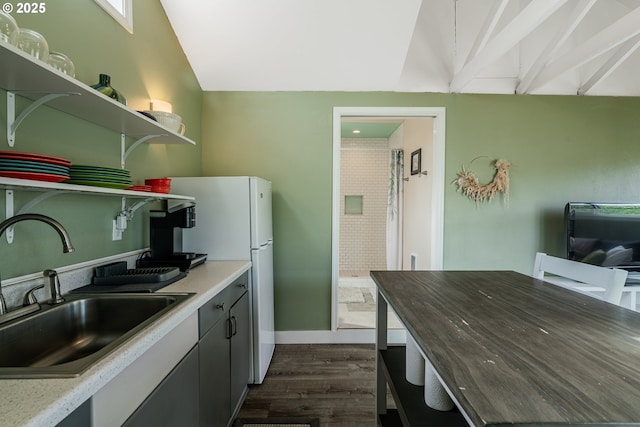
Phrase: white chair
(585, 278)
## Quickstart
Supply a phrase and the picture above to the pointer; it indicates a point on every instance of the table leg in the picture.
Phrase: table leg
(435, 395)
(381, 344)
(415, 362)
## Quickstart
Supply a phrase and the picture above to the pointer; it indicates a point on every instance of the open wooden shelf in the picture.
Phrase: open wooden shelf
(27, 184)
(32, 79)
(409, 398)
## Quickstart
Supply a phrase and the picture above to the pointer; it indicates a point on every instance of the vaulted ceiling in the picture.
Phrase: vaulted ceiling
(577, 47)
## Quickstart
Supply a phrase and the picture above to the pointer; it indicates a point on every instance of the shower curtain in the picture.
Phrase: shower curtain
(394, 211)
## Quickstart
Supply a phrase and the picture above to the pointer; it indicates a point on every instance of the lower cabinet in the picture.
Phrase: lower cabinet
(174, 403)
(114, 403)
(215, 381)
(81, 417)
(240, 342)
(225, 354)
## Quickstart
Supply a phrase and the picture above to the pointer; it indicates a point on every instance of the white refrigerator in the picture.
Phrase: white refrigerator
(233, 222)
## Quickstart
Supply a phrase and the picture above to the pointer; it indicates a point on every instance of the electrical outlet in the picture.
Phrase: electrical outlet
(116, 233)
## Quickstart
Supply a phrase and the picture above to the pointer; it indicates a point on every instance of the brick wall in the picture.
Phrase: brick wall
(364, 171)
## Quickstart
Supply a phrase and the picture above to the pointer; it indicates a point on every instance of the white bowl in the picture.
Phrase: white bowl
(171, 121)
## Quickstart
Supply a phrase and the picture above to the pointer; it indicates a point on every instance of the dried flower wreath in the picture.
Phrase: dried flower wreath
(469, 185)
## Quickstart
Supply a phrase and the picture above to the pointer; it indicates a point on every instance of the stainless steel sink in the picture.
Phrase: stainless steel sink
(66, 339)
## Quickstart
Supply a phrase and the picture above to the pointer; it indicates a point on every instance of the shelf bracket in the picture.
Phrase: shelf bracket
(8, 214)
(124, 151)
(10, 207)
(13, 122)
(126, 214)
(129, 211)
(42, 197)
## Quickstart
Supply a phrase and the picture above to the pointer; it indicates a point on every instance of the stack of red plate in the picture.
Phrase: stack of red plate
(38, 167)
(139, 187)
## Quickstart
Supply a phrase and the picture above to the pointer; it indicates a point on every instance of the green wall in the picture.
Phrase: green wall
(563, 148)
(144, 65)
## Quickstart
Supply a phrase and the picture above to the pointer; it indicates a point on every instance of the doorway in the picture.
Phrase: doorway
(354, 205)
(366, 146)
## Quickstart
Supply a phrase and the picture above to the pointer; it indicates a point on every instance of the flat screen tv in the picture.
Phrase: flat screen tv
(604, 234)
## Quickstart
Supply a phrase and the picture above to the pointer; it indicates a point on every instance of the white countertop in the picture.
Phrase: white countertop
(46, 402)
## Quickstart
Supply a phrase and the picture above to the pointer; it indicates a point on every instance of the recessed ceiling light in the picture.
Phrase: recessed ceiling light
(355, 131)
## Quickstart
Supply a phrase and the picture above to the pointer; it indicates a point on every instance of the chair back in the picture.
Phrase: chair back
(610, 279)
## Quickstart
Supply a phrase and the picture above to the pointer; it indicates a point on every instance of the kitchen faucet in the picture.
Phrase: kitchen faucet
(54, 286)
(66, 248)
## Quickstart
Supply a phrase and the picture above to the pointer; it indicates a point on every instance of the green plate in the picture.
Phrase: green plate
(99, 177)
(100, 169)
(98, 184)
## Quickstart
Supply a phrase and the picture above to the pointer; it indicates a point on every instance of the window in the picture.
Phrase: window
(120, 10)
(353, 205)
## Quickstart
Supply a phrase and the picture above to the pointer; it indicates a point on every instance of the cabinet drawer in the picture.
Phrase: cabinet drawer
(212, 311)
(218, 307)
(236, 289)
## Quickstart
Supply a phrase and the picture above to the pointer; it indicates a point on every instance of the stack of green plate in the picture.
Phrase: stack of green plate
(99, 176)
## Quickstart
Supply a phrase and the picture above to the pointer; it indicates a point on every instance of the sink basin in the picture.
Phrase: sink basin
(66, 339)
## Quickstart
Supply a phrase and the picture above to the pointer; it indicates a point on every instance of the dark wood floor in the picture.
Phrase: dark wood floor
(335, 383)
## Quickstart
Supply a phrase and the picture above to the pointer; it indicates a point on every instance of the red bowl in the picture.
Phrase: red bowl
(159, 185)
(158, 181)
(160, 189)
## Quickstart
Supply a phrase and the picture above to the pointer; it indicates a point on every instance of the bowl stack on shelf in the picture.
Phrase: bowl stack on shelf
(159, 185)
(99, 176)
(139, 187)
(38, 167)
(9, 29)
(33, 43)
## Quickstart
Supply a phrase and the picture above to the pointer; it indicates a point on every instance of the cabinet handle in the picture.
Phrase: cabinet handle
(229, 329)
(220, 306)
(243, 285)
(234, 325)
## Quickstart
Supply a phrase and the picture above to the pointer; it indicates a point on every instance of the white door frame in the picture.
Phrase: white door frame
(437, 224)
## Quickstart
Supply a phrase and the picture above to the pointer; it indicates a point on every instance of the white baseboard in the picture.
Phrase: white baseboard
(341, 336)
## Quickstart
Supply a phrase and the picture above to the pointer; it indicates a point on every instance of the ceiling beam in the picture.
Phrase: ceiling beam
(534, 14)
(607, 39)
(611, 64)
(489, 26)
(630, 4)
(577, 15)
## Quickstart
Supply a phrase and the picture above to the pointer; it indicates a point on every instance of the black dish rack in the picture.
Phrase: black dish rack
(118, 274)
(116, 277)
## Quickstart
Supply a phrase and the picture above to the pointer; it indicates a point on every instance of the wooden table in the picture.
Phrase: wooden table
(512, 349)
